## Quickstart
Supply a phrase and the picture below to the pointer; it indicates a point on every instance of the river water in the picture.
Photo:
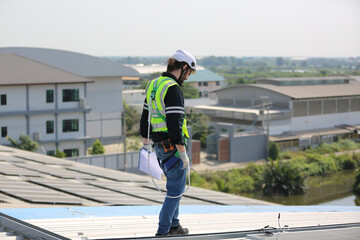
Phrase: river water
(334, 190)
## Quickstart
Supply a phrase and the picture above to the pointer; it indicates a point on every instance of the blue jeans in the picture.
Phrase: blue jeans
(175, 185)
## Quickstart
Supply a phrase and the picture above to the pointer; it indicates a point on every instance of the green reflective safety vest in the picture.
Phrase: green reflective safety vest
(155, 94)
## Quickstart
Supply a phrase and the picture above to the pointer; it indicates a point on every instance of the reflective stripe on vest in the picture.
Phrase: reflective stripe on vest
(155, 93)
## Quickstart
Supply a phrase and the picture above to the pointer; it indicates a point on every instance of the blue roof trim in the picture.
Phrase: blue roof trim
(116, 211)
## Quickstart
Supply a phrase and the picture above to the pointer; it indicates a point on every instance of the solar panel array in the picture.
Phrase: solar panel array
(41, 179)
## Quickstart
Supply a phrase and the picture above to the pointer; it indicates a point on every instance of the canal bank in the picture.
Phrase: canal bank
(335, 189)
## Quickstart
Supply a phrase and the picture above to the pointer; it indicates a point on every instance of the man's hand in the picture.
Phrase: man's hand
(185, 159)
(146, 144)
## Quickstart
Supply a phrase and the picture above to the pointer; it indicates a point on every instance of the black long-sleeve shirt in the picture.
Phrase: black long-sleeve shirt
(174, 111)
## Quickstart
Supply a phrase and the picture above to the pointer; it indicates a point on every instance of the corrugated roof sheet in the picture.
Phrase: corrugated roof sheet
(308, 78)
(17, 70)
(308, 91)
(78, 63)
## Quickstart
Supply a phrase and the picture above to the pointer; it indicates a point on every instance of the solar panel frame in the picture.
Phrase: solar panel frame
(33, 193)
(92, 193)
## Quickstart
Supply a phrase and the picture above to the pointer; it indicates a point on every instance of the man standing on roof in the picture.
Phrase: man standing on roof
(169, 134)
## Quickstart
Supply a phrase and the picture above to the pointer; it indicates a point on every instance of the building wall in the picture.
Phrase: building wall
(16, 98)
(247, 96)
(73, 145)
(37, 97)
(69, 105)
(134, 96)
(38, 124)
(26, 112)
(16, 126)
(105, 98)
(324, 121)
(279, 126)
(248, 148)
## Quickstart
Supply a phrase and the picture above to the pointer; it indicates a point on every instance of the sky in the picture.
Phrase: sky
(287, 28)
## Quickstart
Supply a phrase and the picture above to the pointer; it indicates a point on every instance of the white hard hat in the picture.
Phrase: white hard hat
(185, 56)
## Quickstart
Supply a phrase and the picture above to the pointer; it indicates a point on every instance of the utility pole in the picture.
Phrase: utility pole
(124, 138)
(267, 122)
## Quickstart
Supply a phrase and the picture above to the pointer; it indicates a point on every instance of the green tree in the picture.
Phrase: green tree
(59, 154)
(189, 91)
(280, 61)
(132, 119)
(200, 128)
(97, 148)
(274, 150)
(24, 143)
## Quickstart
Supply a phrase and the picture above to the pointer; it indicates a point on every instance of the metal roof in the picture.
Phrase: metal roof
(17, 70)
(205, 75)
(78, 63)
(204, 222)
(307, 91)
(307, 78)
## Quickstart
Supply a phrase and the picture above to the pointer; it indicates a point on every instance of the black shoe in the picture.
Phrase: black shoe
(162, 235)
(178, 230)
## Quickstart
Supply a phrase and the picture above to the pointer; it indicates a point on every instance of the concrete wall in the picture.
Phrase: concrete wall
(248, 148)
(105, 98)
(15, 127)
(16, 98)
(324, 121)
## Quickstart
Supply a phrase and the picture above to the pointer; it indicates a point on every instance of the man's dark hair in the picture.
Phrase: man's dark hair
(173, 65)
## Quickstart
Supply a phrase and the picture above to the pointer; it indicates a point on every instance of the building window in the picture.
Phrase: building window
(205, 83)
(50, 126)
(217, 83)
(71, 152)
(4, 132)
(71, 125)
(50, 153)
(70, 95)
(200, 84)
(49, 96)
(3, 99)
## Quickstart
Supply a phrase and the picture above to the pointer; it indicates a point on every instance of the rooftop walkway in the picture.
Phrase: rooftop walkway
(141, 221)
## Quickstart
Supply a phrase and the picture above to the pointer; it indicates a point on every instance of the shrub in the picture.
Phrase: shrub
(255, 171)
(282, 179)
(274, 150)
(345, 161)
(24, 143)
(59, 154)
(356, 186)
(356, 157)
(97, 148)
(326, 164)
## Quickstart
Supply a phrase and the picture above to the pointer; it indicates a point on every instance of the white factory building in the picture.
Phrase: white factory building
(103, 95)
(44, 103)
(291, 109)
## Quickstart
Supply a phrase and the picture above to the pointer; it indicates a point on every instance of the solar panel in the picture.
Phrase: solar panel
(92, 193)
(137, 190)
(109, 174)
(209, 196)
(57, 171)
(35, 194)
(43, 159)
(11, 159)
(11, 170)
